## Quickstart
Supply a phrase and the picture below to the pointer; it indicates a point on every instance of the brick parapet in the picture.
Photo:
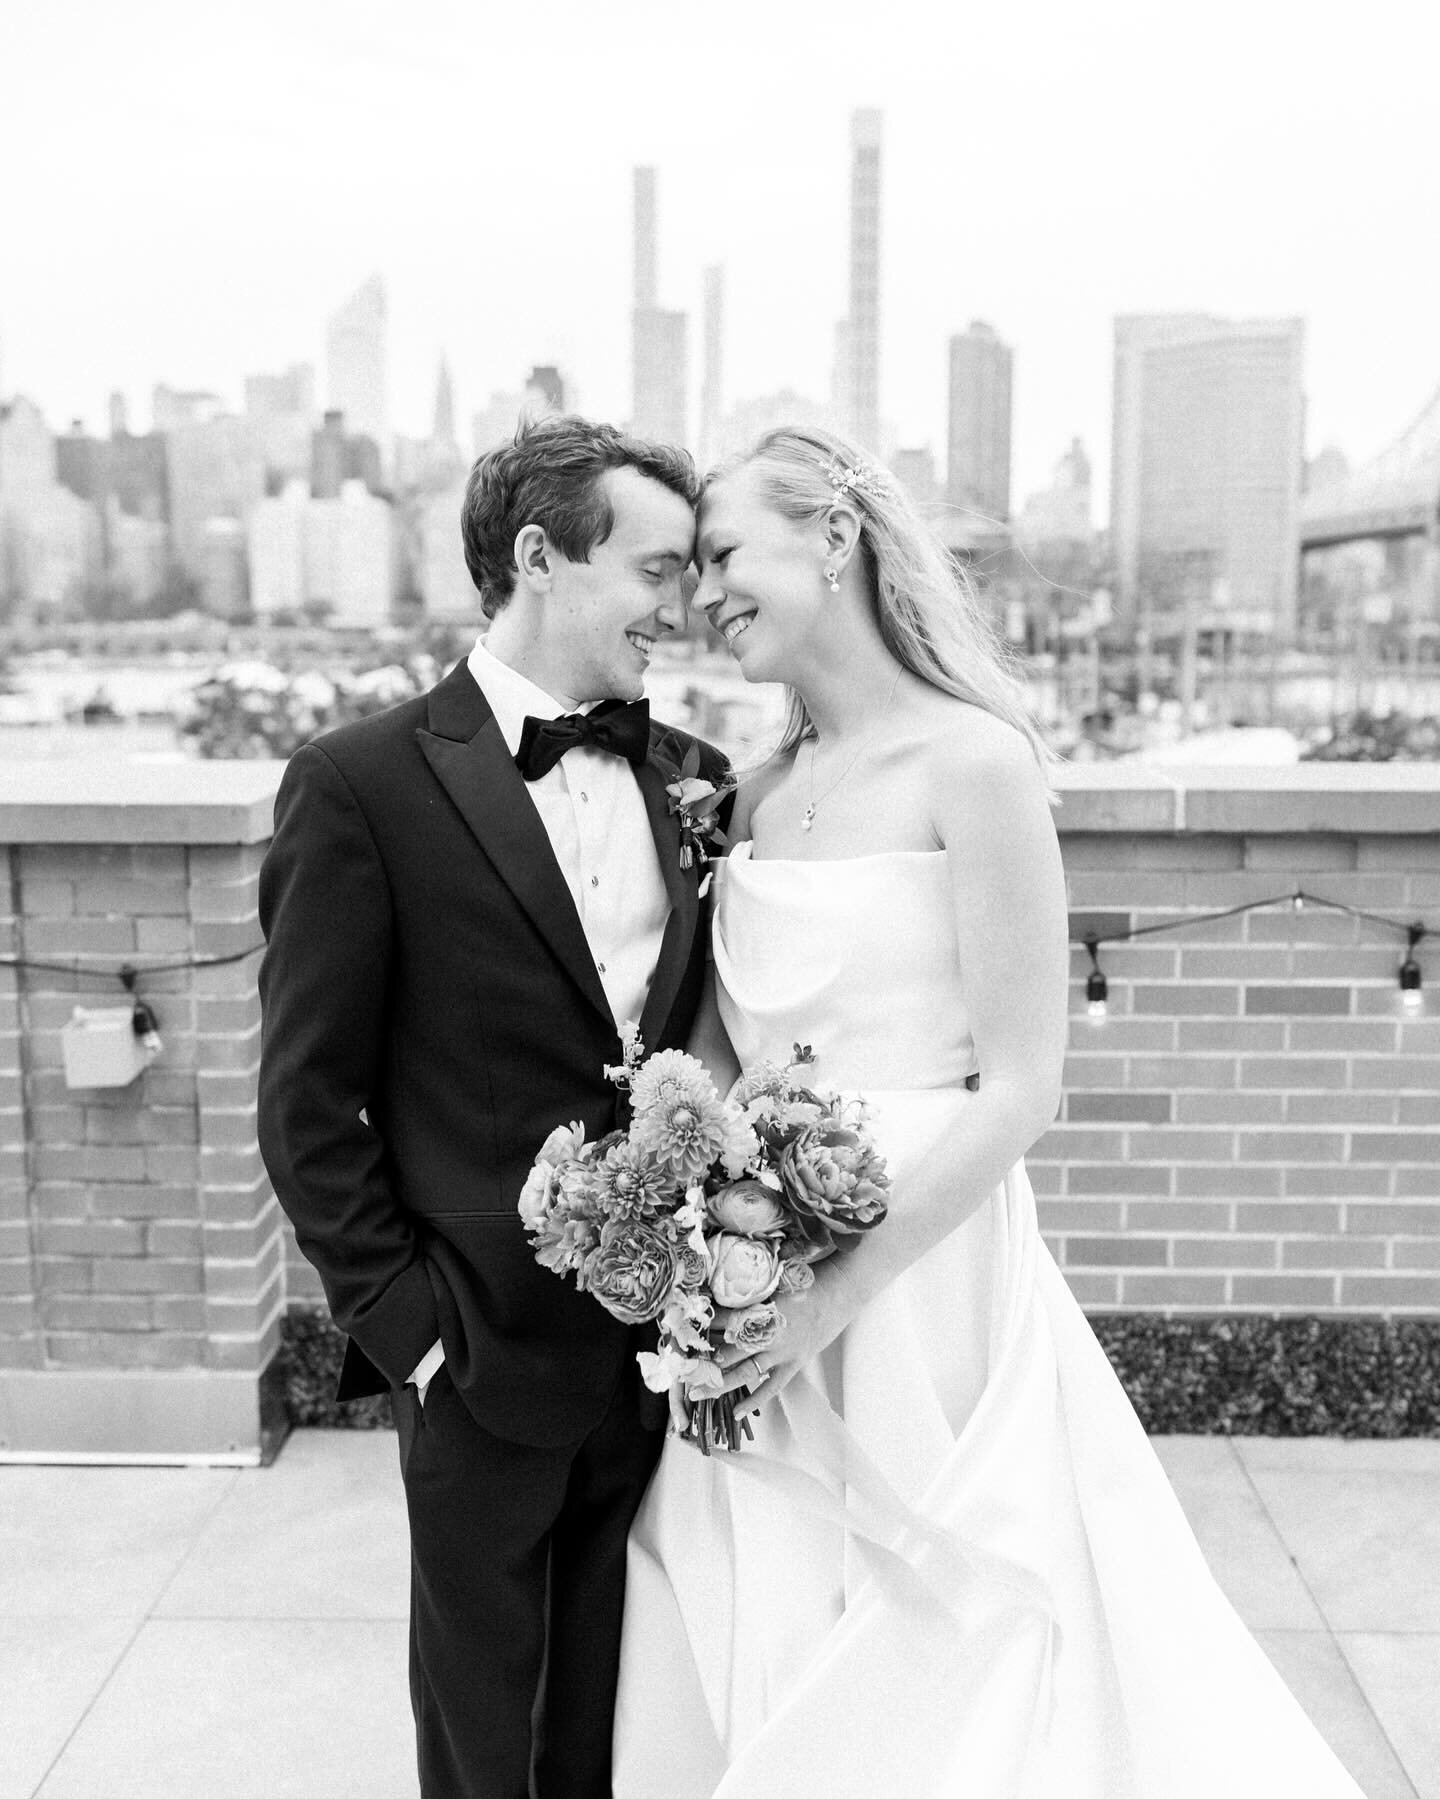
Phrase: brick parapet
(1255, 1123)
(1255, 1126)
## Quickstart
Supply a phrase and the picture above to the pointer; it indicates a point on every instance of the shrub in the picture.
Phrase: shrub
(1234, 1376)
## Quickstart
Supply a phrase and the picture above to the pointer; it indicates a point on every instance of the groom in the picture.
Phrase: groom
(465, 897)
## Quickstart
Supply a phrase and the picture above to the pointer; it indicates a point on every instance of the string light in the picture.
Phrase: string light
(142, 1018)
(1097, 988)
(1408, 975)
(1411, 996)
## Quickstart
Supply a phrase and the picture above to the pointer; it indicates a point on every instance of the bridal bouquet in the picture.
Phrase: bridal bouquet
(704, 1212)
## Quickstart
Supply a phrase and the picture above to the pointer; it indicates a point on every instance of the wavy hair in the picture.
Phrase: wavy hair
(929, 615)
(552, 475)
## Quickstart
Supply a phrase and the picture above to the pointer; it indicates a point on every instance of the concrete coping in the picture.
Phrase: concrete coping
(233, 802)
(135, 802)
(1365, 799)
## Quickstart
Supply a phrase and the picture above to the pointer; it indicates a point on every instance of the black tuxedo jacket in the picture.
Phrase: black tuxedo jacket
(431, 1011)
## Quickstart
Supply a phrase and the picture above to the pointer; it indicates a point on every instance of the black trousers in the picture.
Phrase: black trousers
(517, 1589)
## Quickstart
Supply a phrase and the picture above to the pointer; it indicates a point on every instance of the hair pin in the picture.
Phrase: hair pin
(860, 479)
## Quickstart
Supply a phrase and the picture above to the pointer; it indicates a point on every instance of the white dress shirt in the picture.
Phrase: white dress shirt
(594, 815)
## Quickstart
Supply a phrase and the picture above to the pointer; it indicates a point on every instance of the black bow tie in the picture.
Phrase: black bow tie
(623, 730)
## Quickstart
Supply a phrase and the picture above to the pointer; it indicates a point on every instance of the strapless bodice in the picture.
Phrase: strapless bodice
(858, 959)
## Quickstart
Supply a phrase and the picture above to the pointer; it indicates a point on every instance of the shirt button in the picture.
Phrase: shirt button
(594, 880)
(586, 798)
(600, 966)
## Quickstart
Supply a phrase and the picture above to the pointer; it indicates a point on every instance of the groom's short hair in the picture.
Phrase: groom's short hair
(552, 475)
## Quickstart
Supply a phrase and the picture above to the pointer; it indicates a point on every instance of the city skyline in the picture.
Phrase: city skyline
(1274, 172)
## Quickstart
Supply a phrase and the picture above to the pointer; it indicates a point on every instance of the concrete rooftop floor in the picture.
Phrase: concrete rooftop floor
(223, 1634)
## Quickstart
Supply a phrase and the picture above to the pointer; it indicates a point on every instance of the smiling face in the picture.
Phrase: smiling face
(762, 584)
(603, 617)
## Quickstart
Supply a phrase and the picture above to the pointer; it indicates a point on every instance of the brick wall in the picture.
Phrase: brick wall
(1255, 1124)
(139, 1237)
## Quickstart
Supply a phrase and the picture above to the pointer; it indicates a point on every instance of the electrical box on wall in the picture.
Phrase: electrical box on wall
(101, 1047)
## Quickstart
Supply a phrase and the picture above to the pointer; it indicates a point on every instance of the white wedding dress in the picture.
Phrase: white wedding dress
(950, 1565)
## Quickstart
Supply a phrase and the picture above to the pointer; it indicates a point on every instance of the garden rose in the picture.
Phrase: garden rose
(752, 1327)
(796, 1275)
(748, 1209)
(631, 1271)
(743, 1270)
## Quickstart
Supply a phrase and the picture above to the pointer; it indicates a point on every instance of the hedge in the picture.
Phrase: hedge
(1240, 1376)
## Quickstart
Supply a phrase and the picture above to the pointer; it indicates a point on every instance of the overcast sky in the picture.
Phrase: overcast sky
(187, 191)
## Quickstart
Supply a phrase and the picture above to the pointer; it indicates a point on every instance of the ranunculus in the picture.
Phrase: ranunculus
(833, 1176)
(631, 1272)
(748, 1209)
(752, 1327)
(743, 1270)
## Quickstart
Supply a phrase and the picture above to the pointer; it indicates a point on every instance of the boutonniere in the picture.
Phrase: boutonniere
(695, 802)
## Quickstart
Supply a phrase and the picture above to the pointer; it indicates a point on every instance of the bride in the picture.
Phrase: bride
(949, 1562)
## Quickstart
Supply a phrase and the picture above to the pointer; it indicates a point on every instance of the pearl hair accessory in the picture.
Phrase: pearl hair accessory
(859, 479)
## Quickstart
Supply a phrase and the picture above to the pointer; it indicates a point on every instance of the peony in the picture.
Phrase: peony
(743, 1270)
(748, 1209)
(631, 1271)
(832, 1175)
(752, 1327)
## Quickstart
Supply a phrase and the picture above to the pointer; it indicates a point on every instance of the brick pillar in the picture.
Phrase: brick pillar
(19, 1342)
(151, 1243)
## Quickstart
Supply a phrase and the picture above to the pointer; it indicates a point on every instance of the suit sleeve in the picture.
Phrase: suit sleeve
(325, 909)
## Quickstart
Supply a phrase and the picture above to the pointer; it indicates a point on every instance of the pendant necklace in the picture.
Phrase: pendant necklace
(808, 817)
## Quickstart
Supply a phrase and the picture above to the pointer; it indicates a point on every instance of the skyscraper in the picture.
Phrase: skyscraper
(860, 338)
(647, 252)
(355, 376)
(443, 430)
(1207, 457)
(544, 390)
(658, 337)
(712, 397)
(981, 379)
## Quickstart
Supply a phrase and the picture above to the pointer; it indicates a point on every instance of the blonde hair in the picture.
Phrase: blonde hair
(930, 618)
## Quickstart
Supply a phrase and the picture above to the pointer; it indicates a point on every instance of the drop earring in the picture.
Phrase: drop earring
(833, 579)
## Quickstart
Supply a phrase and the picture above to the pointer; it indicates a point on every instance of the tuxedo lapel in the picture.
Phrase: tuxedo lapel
(467, 753)
(681, 884)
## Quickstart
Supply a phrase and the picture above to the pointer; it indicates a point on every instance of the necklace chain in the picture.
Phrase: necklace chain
(808, 819)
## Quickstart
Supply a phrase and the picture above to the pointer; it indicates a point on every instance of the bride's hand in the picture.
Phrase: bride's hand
(810, 1323)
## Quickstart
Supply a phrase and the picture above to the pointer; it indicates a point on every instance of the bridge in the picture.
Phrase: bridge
(1395, 496)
